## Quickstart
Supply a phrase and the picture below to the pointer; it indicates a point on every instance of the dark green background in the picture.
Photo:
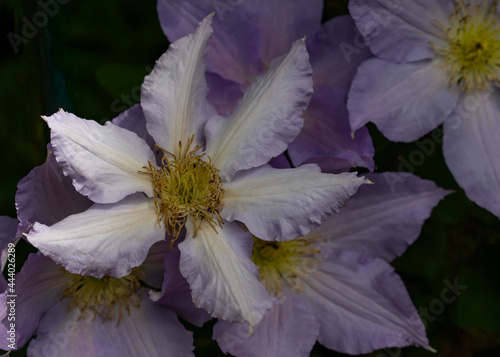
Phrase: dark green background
(91, 59)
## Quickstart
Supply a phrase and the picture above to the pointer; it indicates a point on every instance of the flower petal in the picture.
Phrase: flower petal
(233, 50)
(267, 119)
(103, 161)
(46, 196)
(405, 101)
(337, 45)
(173, 96)
(222, 277)
(103, 240)
(151, 330)
(362, 305)
(175, 291)
(38, 287)
(326, 137)
(471, 148)
(133, 119)
(283, 204)
(382, 219)
(224, 94)
(287, 330)
(402, 31)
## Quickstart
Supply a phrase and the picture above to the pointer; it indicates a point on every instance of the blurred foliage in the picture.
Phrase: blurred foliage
(91, 58)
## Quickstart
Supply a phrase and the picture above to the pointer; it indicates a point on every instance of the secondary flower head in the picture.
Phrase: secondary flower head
(335, 285)
(248, 36)
(438, 62)
(212, 172)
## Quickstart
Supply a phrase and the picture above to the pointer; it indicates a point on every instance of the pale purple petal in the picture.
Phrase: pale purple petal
(152, 267)
(104, 240)
(382, 219)
(175, 291)
(103, 161)
(222, 277)
(297, 19)
(267, 119)
(233, 50)
(405, 100)
(223, 93)
(402, 31)
(336, 52)
(151, 330)
(471, 148)
(287, 330)
(173, 96)
(362, 305)
(62, 333)
(326, 137)
(283, 204)
(46, 196)
(38, 287)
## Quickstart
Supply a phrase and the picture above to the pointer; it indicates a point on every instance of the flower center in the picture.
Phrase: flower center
(473, 51)
(285, 263)
(103, 295)
(186, 185)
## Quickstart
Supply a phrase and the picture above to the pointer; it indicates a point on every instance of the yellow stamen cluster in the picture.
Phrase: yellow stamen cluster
(472, 55)
(186, 185)
(285, 263)
(103, 295)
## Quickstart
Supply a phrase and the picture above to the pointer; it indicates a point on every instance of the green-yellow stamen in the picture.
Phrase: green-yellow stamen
(186, 185)
(285, 263)
(103, 295)
(472, 55)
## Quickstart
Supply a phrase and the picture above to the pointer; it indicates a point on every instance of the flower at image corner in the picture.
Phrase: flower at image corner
(438, 62)
(213, 172)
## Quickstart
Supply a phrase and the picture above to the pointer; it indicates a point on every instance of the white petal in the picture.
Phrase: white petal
(173, 96)
(104, 240)
(222, 277)
(103, 161)
(268, 117)
(284, 204)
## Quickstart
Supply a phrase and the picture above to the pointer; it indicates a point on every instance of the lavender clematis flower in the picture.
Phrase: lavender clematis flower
(335, 285)
(248, 36)
(203, 188)
(85, 316)
(438, 62)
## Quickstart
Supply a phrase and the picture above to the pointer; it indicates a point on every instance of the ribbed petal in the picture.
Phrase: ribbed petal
(283, 204)
(103, 161)
(382, 219)
(403, 30)
(103, 240)
(233, 50)
(46, 196)
(405, 101)
(336, 52)
(38, 287)
(287, 330)
(471, 148)
(326, 137)
(173, 96)
(267, 119)
(133, 119)
(222, 277)
(362, 305)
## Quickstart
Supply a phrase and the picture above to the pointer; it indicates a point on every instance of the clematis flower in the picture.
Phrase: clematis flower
(74, 315)
(212, 175)
(248, 35)
(335, 284)
(437, 62)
